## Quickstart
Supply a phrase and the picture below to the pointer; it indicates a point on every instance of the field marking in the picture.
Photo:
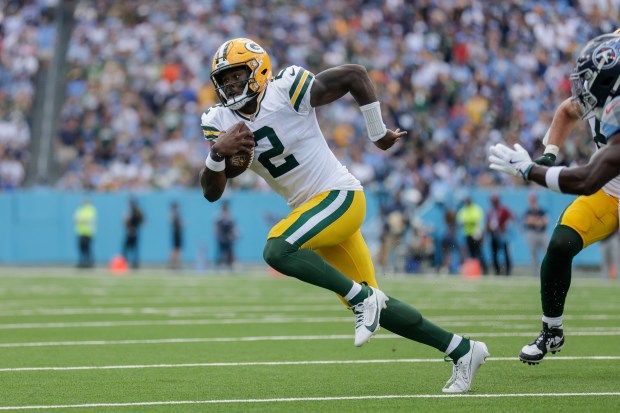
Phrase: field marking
(137, 323)
(311, 399)
(176, 311)
(266, 338)
(281, 363)
(275, 319)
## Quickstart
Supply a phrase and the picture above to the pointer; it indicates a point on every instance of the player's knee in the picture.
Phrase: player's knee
(275, 252)
(565, 242)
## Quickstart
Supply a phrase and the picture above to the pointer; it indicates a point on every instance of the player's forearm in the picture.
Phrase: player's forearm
(212, 183)
(581, 180)
(564, 122)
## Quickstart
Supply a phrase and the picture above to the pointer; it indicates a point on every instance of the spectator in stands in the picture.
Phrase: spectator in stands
(436, 66)
(456, 75)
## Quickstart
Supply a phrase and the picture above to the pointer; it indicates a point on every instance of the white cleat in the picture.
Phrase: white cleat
(466, 367)
(367, 315)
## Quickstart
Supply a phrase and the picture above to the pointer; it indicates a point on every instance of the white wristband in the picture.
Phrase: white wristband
(214, 165)
(552, 178)
(374, 121)
(552, 149)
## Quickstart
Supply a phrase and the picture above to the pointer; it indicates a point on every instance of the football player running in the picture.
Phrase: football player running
(320, 241)
(593, 216)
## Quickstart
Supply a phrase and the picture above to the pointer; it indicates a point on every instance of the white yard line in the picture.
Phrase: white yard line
(268, 338)
(284, 363)
(266, 319)
(306, 399)
(223, 310)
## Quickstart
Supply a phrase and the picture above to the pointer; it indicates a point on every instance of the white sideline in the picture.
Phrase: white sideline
(283, 363)
(268, 338)
(305, 399)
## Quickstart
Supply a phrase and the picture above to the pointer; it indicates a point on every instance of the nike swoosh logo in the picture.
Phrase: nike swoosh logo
(373, 326)
(608, 110)
(511, 161)
(292, 71)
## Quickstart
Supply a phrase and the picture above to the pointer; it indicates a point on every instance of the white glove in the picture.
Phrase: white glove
(516, 162)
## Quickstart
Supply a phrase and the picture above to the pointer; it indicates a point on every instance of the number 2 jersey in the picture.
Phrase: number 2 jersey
(291, 153)
(602, 131)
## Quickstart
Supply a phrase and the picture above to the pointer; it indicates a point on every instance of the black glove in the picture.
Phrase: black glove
(548, 159)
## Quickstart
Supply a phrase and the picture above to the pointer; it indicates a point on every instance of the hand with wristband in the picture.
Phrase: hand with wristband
(549, 157)
(236, 140)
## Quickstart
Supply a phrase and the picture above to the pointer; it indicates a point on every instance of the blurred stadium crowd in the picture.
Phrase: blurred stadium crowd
(459, 75)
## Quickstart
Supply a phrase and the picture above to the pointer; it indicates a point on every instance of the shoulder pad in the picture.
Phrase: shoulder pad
(610, 120)
(295, 81)
(210, 123)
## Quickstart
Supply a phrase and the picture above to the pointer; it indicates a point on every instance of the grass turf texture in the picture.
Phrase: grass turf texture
(162, 342)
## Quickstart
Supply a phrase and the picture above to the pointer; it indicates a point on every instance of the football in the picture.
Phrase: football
(237, 164)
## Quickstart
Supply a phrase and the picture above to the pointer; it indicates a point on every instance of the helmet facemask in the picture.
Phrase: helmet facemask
(583, 100)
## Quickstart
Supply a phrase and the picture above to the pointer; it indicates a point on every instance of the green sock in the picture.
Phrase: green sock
(403, 319)
(305, 265)
(361, 296)
(555, 271)
(460, 350)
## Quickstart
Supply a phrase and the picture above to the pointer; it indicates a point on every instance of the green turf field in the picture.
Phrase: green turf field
(155, 341)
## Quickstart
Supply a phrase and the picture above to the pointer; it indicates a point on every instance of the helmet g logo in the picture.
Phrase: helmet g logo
(254, 47)
(605, 57)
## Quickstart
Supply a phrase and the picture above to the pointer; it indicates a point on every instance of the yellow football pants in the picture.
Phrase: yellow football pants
(329, 224)
(594, 217)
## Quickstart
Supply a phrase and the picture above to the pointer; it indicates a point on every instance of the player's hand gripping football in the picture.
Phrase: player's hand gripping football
(390, 138)
(237, 140)
(515, 161)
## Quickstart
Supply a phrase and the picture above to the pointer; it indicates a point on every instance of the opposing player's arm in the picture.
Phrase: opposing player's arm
(334, 83)
(565, 119)
(586, 179)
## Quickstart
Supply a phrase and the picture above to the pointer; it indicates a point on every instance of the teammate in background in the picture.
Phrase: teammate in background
(226, 235)
(498, 219)
(176, 226)
(535, 221)
(133, 222)
(85, 219)
(595, 84)
(610, 256)
(471, 218)
(320, 241)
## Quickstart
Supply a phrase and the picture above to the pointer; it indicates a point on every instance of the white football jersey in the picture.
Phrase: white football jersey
(602, 130)
(291, 153)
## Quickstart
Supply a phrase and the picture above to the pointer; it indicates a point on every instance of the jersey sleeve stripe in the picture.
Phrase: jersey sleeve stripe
(301, 87)
(296, 82)
(209, 132)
